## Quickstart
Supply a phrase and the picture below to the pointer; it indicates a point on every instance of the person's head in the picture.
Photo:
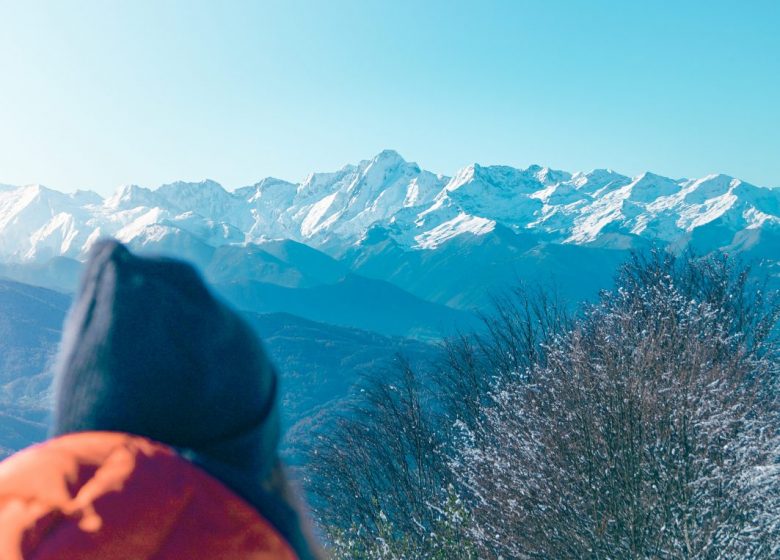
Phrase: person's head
(147, 349)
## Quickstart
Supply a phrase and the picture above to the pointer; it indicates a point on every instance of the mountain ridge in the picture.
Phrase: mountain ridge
(333, 211)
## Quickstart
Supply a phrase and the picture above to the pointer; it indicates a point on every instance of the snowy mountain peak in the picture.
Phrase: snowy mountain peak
(207, 198)
(548, 176)
(497, 177)
(598, 179)
(269, 185)
(709, 187)
(131, 196)
(207, 187)
(389, 158)
(649, 186)
(86, 197)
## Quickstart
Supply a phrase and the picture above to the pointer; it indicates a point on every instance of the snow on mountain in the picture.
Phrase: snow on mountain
(345, 204)
(37, 223)
(268, 201)
(418, 209)
(460, 224)
(598, 181)
(498, 192)
(209, 200)
(129, 197)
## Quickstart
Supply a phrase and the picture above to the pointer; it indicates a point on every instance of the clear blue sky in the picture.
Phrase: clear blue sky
(95, 94)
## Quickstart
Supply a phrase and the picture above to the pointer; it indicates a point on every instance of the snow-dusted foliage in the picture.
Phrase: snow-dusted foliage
(649, 431)
(645, 427)
(381, 481)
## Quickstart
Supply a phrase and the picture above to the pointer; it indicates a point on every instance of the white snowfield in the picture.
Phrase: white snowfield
(419, 209)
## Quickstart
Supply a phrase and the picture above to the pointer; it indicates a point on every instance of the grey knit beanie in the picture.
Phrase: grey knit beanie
(148, 350)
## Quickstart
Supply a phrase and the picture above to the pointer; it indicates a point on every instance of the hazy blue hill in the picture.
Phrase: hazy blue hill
(314, 264)
(17, 432)
(356, 302)
(284, 263)
(30, 322)
(319, 363)
(290, 277)
(465, 272)
(59, 273)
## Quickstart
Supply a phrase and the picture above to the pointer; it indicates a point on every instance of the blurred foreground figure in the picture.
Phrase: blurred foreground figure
(165, 430)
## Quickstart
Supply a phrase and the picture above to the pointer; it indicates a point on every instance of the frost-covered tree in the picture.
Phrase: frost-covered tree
(645, 427)
(380, 477)
(649, 429)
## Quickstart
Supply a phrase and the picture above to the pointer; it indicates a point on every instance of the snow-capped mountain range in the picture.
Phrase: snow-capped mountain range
(417, 209)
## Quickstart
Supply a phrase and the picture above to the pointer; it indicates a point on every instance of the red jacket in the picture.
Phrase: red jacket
(105, 495)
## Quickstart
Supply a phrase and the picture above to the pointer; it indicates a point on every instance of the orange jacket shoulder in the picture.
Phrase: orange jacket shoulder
(105, 495)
